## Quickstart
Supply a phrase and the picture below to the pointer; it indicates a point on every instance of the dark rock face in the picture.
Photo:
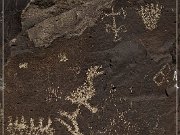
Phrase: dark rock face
(12, 22)
(92, 67)
(44, 4)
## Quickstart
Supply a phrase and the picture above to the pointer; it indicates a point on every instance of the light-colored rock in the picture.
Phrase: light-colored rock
(68, 24)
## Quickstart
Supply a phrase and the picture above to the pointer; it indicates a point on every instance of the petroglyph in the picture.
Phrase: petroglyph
(74, 129)
(119, 120)
(23, 65)
(162, 76)
(13, 41)
(150, 14)
(21, 127)
(53, 94)
(86, 91)
(124, 13)
(62, 57)
(76, 69)
(114, 28)
(175, 76)
(80, 97)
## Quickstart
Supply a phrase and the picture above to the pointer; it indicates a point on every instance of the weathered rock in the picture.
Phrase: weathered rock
(33, 14)
(70, 23)
(102, 71)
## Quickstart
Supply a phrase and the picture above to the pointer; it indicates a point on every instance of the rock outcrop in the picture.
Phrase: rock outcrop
(92, 67)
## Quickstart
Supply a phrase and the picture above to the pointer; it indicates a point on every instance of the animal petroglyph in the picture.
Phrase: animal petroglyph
(80, 97)
(86, 91)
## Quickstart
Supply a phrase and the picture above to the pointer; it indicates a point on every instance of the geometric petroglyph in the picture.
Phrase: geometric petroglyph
(22, 127)
(114, 28)
(150, 15)
(162, 76)
(80, 97)
(53, 94)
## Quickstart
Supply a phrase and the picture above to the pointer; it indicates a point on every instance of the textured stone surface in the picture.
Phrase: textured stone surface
(92, 68)
(70, 23)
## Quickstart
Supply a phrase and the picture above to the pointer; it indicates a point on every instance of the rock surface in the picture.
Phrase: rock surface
(90, 68)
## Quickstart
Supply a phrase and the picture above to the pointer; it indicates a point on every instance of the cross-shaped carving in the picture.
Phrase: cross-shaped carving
(114, 28)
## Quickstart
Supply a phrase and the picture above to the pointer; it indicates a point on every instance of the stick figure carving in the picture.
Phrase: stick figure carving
(114, 28)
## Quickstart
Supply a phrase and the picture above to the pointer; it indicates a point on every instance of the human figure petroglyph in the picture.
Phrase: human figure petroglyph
(114, 28)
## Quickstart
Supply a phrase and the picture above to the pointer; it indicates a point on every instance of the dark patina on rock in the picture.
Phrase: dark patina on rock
(93, 68)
